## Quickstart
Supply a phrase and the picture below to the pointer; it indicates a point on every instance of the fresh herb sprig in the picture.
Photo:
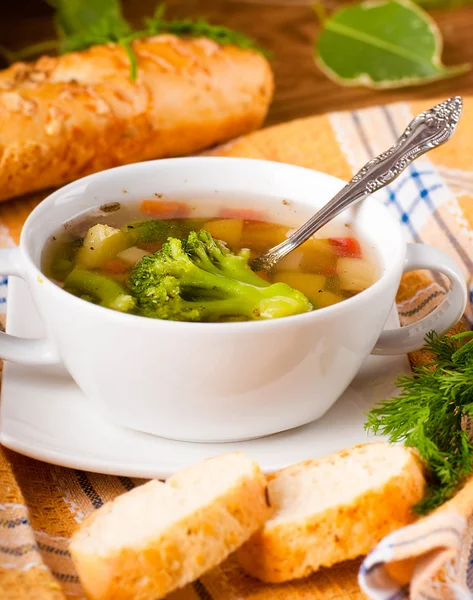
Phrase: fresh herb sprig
(430, 413)
(81, 24)
(199, 28)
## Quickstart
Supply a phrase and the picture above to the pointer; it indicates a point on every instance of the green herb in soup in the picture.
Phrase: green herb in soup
(158, 262)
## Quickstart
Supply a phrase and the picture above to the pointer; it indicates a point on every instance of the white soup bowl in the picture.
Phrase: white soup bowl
(220, 381)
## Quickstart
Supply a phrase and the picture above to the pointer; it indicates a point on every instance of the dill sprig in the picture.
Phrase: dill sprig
(198, 28)
(81, 24)
(429, 415)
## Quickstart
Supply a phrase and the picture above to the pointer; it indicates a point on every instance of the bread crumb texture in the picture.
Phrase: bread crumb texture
(333, 509)
(160, 536)
(62, 118)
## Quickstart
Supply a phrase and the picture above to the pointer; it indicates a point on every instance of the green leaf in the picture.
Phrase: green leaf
(85, 23)
(432, 4)
(82, 24)
(192, 28)
(428, 415)
(382, 44)
(76, 17)
(12, 56)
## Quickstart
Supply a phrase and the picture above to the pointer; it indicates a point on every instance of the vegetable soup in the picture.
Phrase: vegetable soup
(160, 259)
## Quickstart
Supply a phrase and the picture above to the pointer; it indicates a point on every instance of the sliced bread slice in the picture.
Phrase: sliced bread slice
(333, 509)
(160, 536)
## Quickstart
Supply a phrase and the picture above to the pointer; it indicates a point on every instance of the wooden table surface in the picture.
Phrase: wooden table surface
(288, 29)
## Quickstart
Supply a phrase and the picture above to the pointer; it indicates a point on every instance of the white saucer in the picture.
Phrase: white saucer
(44, 415)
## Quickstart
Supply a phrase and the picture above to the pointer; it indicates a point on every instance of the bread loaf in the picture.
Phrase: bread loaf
(161, 536)
(333, 509)
(66, 117)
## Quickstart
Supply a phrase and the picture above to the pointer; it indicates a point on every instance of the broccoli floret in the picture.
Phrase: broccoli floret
(155, 231)
(107, 292)
(199, 279)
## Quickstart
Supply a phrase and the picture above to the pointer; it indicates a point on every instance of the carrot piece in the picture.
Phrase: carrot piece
(246, 214)
(116, 266)
(163, 209)
(346, 247)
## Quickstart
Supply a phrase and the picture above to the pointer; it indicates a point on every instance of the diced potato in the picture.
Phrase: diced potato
(318, 255)
(322, 246)
(307, 283)
(355, 274)
(101, 244)
(132, 255)
(291, 262)
(261, 236)
(227, 230)
(325, 298)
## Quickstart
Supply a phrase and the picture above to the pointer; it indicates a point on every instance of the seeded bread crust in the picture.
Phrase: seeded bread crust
(66, 117)
(292, 548)
(181, 553)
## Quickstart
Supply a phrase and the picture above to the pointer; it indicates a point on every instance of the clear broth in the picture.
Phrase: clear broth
(327, 269)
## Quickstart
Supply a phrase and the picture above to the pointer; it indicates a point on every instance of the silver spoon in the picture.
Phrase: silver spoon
(428, 130)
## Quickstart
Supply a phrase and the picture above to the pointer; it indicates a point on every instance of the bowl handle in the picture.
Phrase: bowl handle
(16, 349)
(442, 318)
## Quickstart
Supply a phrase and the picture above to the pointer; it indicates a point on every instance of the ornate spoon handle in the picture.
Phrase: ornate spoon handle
(428, 130)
